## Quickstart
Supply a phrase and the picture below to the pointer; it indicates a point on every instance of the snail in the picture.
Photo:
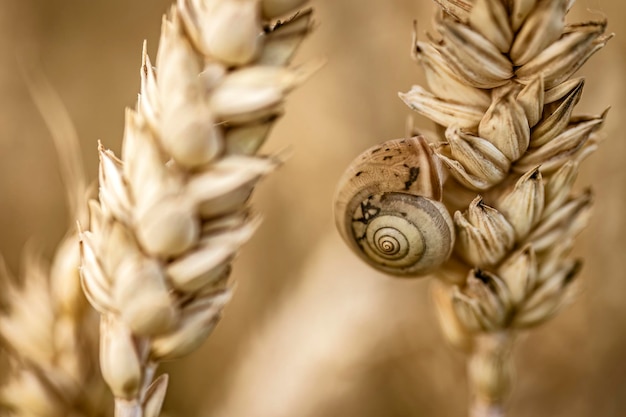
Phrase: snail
(388, 208)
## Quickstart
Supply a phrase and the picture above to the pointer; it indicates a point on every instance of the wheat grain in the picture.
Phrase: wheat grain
(173, 212)
(499, 78)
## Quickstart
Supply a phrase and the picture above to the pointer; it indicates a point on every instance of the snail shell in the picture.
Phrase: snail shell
(388, 208)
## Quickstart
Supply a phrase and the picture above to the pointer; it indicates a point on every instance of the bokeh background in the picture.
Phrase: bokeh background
(312, 332)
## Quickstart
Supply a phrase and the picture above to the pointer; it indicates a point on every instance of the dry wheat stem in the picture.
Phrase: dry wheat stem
(173, 211)
(500, 89)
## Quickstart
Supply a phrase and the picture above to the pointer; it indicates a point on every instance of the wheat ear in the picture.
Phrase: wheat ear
(47, 325)
(173, 212)
(499, 75)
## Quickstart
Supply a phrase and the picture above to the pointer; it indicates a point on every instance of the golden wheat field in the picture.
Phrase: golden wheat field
(311, 331)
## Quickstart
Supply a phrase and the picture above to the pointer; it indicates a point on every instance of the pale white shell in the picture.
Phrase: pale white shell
(388, 208)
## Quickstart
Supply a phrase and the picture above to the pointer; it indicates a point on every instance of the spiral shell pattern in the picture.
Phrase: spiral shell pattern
(388, 212)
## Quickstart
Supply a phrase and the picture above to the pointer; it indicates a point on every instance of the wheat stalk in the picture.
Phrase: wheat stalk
(47, 325)
(173, 212)
(499, 74)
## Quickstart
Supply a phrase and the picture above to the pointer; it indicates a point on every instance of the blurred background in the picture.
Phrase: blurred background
(311, 331)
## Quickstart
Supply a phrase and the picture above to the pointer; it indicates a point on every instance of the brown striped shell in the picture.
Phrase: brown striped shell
(388, 208)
